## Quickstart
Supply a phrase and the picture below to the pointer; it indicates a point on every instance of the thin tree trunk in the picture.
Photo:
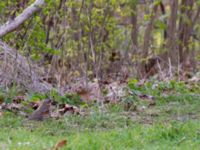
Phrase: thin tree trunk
(185, 28)
(171, 34)
(148, 32)
(134, 32)
(147, 42)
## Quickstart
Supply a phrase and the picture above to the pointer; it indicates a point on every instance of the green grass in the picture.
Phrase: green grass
(173, 123)
(171, 135)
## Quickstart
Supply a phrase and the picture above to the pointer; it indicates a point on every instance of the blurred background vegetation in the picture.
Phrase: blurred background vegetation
(69, 39)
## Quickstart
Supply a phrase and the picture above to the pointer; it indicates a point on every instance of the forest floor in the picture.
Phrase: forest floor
(172, 122)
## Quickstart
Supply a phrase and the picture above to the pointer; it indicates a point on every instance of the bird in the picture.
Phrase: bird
(42, 112)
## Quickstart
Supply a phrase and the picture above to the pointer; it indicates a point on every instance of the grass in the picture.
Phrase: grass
(173, 123)
(172, 135)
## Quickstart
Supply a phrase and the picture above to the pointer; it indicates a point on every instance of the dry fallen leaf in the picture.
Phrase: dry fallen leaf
(60, 144)
(69, 108)
(145, 96)
(115, 91)
(194, 79)
(34, 105)
(88, 93)
(18, 99)
(13, 107)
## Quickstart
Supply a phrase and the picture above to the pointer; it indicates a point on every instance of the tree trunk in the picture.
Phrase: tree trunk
(148, 32)
(171, 34)
(134, 32)
(185, 28)
(147, 41)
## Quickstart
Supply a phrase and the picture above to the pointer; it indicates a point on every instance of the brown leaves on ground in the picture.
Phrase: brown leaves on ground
(115, 91)
(65, 109)
(18, 99)
(110, 92)
(60, 145)
(69, 108)
(34, 105)
(195, 79)
(42, 109)
(148, 98)
(89, 92)
(15, 106)
(11, 106)
(46, 109)
(95, 91)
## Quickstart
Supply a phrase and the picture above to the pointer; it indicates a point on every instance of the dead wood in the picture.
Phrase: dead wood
(16, 22)
(15, 68)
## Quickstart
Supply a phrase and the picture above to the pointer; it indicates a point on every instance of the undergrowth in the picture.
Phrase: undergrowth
(171, 123)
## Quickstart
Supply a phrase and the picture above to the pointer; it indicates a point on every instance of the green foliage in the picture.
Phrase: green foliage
(157, 88)
(162, 92)
(72, 99)
(89, 31)
(34, 97)
(7, 95)
(160, 25)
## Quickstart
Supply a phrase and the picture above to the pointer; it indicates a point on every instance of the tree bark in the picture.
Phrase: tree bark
(16, 22)
(185, 27)
(134, 32)
(171, 33)
(148, 32)
(147, 42)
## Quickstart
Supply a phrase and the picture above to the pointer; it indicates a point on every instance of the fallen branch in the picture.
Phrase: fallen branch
(16, 22)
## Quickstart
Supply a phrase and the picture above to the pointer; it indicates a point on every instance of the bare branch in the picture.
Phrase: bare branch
(26, 14)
